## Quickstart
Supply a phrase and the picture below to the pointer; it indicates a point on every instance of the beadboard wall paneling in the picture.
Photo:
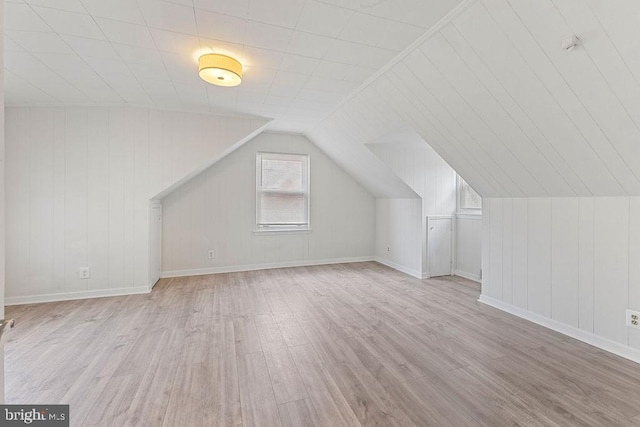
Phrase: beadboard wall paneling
(422, 169)
(80, 181)
(217, 211)
(425, 172)
(573, 261)
(468, 257)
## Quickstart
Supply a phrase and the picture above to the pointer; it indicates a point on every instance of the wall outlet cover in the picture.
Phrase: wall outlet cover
(633, 319)
(84, 273)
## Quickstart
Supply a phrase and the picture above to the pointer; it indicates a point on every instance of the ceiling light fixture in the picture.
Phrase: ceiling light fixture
(220, 70)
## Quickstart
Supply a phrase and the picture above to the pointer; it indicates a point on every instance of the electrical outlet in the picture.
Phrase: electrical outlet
(388, 248)
(84, 273)
(633, 319)
(211, 255)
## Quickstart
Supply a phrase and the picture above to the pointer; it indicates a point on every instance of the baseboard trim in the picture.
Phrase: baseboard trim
(466, 275)
(269, 266)
(571, 331)
(68, 296)
(401, 268)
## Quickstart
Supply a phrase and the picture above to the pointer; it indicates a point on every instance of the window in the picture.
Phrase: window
(282, 197)
(468, 199)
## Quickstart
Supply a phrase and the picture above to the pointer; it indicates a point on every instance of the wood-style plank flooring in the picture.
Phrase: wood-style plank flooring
(351, 345)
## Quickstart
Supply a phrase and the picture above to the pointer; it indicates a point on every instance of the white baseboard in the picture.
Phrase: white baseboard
(252, 267)
(411, 272)
(466, 275)
(584, 336)
(67, 296)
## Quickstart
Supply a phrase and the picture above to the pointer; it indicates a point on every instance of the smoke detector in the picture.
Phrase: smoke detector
(570, 43)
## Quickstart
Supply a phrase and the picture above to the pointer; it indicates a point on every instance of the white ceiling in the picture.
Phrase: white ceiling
(491, 89)
(300, 57)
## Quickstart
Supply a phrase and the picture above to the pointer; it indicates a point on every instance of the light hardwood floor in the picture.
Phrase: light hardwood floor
(356, 344)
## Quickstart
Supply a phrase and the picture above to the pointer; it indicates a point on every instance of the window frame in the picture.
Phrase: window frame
(282, 228)
(460, 209)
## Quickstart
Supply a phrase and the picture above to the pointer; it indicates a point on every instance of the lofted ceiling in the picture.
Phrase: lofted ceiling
(490, 88)
(484, 82)
(300, 57)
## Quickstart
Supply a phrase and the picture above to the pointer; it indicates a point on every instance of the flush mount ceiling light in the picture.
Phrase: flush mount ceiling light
(220, 70)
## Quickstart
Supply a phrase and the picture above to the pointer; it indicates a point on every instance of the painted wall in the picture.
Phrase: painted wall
(79, 183)
(399, 227)
(216, 211)
(468, 261)
(569, 262)
(420, 167)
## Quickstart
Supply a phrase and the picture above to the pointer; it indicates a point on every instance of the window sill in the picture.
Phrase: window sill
(282, 231)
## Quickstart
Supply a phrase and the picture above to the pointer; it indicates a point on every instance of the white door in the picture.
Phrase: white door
(439, 230)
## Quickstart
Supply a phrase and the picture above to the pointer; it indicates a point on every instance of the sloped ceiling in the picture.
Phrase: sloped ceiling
(300, 57)
(493, 92)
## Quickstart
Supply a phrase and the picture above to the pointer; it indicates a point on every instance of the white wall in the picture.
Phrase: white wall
(420, 167)
(216, 211)
(399, 227)
(79, 183)
(468, 258)
(569, 263)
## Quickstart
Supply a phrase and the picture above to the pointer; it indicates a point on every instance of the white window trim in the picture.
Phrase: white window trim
(282, 229)
(459, 209)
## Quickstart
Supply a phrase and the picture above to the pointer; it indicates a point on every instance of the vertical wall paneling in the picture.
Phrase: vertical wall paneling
(519, 266)
(216, 211)
(487, 209)
(141, 205)
(116, 185)
(40, 202)
(586, 230)
(634, 266)
(495, 241)
(507, 250)
(76, 214)
(539, 256)
(399, 226)
(98, 198)
(611, 268)
(81, 182)
(575, 262)
(565, 241)
(468, 250)
(426, 173)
